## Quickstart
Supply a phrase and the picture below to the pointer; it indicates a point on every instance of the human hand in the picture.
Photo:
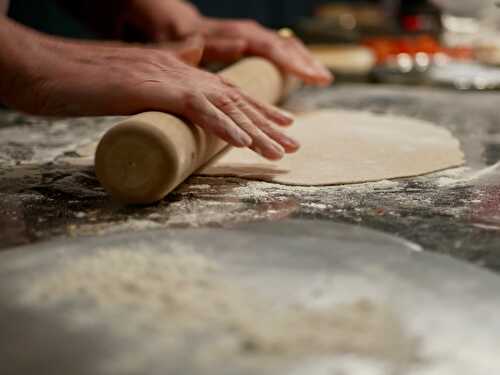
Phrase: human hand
(229, 40)
(225, 40)
(59, 77)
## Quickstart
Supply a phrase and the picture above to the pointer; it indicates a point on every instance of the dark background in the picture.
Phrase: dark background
(47, 16)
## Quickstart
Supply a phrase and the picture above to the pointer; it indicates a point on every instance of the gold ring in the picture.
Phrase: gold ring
(286, 32)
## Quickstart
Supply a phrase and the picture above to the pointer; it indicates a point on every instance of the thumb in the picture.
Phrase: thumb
(191, 50)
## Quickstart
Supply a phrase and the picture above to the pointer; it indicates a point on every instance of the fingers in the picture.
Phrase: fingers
(169, 85)
(204, 114)
(292, 56)
(264, 145)
(286, 52)
(289, 144)
(274, 114)
(242, 123)
(191, 51)
(224, 49)
(318, 73)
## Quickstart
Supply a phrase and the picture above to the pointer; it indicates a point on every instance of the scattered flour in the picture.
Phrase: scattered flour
(263, 190)
(200, 187)
(319, 206)
(134, 225)
(175, 294)
(463, 176)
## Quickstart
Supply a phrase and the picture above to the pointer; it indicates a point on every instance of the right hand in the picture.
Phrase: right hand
(66, 78)
(225, 40)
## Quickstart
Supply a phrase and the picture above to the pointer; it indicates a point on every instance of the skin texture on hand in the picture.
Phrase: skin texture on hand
(53, 76)
(225, 40)
(4, 6)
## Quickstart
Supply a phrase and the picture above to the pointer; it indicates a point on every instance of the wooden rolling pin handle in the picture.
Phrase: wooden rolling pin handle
(145, 157)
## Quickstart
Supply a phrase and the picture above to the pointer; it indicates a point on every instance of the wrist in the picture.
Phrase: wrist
(21, 58)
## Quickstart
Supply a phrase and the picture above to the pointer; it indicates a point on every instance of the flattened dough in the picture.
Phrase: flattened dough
(343, 147)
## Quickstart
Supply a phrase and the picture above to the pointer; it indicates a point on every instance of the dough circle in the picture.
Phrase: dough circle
(345, 147)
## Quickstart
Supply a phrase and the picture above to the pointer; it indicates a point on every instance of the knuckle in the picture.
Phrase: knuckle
(226, 82)
(192, 101)
(223, 101)
(234, 96)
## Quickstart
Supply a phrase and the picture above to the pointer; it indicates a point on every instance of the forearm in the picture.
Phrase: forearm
(15, 42)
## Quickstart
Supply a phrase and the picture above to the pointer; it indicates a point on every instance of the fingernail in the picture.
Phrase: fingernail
(246, 139)
(278, 149)
(325, 73)
(290, 142)
(322, 68)
(287, 114)
(272, 151)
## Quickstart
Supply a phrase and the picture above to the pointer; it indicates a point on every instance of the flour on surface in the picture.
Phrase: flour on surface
(172, 295)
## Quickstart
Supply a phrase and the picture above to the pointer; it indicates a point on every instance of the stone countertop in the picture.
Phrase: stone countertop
(48, 187)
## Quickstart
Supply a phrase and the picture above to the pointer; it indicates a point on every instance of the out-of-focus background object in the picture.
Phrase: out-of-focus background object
(347, 60)
(464, 8)
(455, 43)
(415, 42)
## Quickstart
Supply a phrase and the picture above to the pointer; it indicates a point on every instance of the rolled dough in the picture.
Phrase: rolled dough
(342, 147)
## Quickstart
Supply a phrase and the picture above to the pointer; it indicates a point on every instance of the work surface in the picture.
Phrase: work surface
(307, 298)
(48, 188)
(130, 297)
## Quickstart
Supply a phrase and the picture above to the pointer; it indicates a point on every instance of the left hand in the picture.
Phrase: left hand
(225, 40)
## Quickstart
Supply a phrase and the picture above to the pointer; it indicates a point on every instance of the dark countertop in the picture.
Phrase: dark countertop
(48, 188)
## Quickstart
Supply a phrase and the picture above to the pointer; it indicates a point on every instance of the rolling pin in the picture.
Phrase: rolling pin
(145, 157)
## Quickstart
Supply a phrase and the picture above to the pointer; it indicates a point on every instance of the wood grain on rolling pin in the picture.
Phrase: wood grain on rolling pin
(145, 157)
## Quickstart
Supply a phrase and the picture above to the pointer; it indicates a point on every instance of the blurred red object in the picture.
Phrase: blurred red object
(388, 47)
